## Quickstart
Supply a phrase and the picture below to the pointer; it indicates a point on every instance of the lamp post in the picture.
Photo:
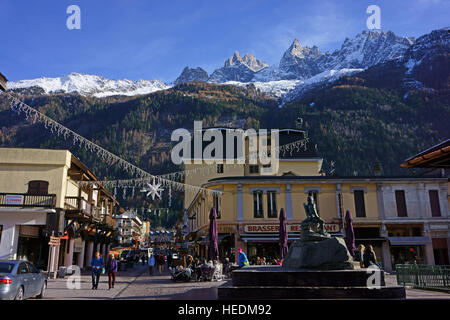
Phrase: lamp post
(3, 82)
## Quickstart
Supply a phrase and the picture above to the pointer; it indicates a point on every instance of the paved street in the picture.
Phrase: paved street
(136, 284)
(133, 284)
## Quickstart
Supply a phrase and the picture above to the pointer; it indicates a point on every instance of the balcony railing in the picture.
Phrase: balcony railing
(27, 200)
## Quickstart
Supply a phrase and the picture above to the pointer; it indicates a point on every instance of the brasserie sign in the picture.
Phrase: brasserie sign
(291, 228)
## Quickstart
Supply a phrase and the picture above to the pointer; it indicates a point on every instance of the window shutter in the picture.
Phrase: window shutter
(38, 187)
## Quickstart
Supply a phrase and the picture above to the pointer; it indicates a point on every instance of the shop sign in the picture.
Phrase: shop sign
(291, 228)
(13, 199)
(225, 229)
(54, 241)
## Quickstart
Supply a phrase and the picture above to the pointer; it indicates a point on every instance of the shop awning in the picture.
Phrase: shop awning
(370, 240)
(409, 241)
(205, 239)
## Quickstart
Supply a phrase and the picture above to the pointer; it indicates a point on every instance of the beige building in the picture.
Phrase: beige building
(40, 197)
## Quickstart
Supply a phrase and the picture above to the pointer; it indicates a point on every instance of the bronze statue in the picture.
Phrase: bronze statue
(313, 220)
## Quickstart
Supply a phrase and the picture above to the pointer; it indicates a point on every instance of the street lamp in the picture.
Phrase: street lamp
(3, 82)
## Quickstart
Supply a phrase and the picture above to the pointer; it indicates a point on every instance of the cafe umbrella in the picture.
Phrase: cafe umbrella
(213, 235)
(283, 234)
(349, 233)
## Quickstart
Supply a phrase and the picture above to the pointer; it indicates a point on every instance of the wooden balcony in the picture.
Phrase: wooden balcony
(109, 222)
(25, 200)
(80, 209)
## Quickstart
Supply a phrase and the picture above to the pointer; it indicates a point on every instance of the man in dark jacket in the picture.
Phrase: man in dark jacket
(111, 269)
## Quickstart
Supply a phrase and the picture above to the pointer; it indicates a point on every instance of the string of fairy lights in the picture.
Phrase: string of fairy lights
(149, 182)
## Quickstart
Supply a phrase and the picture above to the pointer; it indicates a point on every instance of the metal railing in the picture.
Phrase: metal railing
(27, 200)
(423, 276)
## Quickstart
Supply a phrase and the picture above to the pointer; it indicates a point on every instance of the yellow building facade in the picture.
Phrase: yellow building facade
(41, 197)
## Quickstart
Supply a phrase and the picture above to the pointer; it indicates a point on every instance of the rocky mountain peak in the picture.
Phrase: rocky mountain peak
(191, 74)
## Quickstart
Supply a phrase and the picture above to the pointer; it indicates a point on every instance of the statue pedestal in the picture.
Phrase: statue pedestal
(325, 254)
(316, 267)
(276, 282)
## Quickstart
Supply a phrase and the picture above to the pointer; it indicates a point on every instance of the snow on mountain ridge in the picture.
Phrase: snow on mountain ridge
(96, 86)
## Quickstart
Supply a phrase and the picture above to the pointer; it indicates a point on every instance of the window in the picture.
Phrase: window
(258, 204)
(220, 168)
(272, 204)
(217, 205)
(360, 207)
(22, 268)
(254, 168)
(401, 203)
(38, 187)
(32, 268)
(434, 202)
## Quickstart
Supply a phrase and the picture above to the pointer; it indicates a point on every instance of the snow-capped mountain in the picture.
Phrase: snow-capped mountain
(435, 43)
(96, 86)
(300, 62)
(299, 69)
(305, 66)
(237, 68)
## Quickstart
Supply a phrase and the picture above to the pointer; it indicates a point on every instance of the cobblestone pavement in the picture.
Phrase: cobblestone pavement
(136, 284)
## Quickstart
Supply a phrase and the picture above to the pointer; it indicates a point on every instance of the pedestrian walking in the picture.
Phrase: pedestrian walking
(160, 261)
(151, 264)
(243, 261)
(97, 266)
(369, 257)
(111, 269)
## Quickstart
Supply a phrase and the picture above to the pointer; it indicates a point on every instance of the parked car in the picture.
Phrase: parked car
(20, 280)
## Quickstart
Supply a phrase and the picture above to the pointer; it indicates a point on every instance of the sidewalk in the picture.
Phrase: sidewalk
(58, 288)
(412, 293)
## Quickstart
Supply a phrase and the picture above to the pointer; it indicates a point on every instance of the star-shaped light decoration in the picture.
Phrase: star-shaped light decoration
(153, 190)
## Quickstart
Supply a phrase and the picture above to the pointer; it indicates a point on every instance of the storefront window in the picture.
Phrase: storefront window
(272, 204)
(407, 254)
(258, 204)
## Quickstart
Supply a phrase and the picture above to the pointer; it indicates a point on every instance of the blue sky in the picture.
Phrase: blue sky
(147, 39)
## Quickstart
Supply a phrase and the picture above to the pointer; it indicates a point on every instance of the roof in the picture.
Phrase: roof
(328, 178)
(437, 156)
(3, 82)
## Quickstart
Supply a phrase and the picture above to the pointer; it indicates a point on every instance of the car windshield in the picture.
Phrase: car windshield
(6, 267)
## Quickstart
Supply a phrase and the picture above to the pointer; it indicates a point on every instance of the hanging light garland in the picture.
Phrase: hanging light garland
(34, 116)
